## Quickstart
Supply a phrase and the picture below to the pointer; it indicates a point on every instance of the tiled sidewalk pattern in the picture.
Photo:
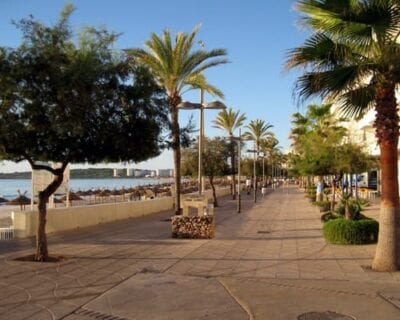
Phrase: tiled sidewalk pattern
(273, 242)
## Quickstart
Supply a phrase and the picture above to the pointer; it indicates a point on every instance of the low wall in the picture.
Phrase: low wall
(62, 219)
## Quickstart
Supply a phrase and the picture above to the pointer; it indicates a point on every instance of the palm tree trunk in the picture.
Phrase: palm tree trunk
(387, 256)
(177, 158)
(233, 168)
(211, 178)
(42, 253)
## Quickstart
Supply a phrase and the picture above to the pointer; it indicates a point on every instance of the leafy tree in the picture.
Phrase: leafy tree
(65, 102)
(229, 121)
(177, 67)
(317, 136)
(215, 157)
(352, 56)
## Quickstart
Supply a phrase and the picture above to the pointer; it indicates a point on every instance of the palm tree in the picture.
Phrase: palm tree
(353, 57)
(257, 131)
(270, 146)
(177, 67)
(229, 121)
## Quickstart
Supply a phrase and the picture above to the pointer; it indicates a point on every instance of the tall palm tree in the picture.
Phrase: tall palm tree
(229, 121)
(177, 67)
(270, 146)
(257, 131)
(353, 57)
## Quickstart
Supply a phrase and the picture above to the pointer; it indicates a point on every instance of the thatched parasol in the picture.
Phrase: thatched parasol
(72, 197)
(20, 200)
(2, 200)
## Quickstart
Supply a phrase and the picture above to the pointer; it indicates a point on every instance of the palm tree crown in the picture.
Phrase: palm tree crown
(176, 65)
(229, 120)
(257, 131)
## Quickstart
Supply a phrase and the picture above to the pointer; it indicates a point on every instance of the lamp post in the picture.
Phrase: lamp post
(254, 173)
(215, 105)
(239, 204)
(262, 154)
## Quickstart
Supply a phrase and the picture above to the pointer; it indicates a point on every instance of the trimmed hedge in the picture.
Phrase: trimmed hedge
(342, 231)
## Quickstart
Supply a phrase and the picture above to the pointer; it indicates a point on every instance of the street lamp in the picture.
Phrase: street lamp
(262, 154)
(214, 105)
(254, 173)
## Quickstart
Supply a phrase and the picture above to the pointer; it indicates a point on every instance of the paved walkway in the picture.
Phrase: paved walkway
(269, 262)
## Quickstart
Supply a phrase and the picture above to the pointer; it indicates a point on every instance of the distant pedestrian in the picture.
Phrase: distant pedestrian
(320, 190)
(263, 191)
(248, 185)
(21, 199)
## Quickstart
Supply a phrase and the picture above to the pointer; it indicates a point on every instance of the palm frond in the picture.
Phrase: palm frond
(333, 82)
(355, 103)
(321, 52)
(176, 65)
(229, 120)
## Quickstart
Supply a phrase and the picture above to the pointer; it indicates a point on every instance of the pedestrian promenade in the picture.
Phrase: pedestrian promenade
(268, 262)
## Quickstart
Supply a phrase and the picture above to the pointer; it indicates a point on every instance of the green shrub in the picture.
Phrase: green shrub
(342, 231)
(355, 207)
(323, 205)
(327, 216)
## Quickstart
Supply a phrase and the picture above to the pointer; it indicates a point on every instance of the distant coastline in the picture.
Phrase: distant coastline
(91, 173)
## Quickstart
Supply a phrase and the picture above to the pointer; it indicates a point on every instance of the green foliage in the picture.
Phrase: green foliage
(355, 207)
(318, 147)
(327, 216)
(65, 102)
(215, 156)
(342, 231)
(176, 65)
(316, 136)
(229, 120)
(257, 130)
(324, 205)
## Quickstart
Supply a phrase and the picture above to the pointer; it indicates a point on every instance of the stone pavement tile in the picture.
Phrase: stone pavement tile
(267, 269)
(245, 268)
(224, 268)
(26, 311)
(202, 268)
(150, 296)
(287, 299)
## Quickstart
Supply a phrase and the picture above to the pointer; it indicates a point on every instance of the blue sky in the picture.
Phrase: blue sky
(256, 33)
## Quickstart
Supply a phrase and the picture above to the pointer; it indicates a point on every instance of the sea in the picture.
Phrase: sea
(9, 187)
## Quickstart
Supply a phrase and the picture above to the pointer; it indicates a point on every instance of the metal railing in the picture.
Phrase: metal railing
(7, 233)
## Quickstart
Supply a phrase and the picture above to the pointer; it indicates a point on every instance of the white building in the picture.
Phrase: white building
(130, 172)
(164, 173)
(118, 172)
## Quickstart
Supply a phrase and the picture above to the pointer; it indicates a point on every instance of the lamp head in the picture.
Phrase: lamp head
(186, 105)
(216, 105)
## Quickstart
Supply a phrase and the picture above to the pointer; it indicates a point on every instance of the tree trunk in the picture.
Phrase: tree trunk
(387, 256)
(233, 167)
(333, 194)
(177, 158)
(42, 253)
(347, 213)
(211, 178)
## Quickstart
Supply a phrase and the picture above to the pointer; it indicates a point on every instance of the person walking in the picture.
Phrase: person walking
(248, 185)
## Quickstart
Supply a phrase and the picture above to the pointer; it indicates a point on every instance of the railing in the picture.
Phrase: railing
(7, 233)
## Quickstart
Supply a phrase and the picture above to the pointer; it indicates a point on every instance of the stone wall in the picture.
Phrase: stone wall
(193, 227)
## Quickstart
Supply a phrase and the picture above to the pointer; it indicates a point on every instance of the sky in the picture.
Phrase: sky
(256, 33)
